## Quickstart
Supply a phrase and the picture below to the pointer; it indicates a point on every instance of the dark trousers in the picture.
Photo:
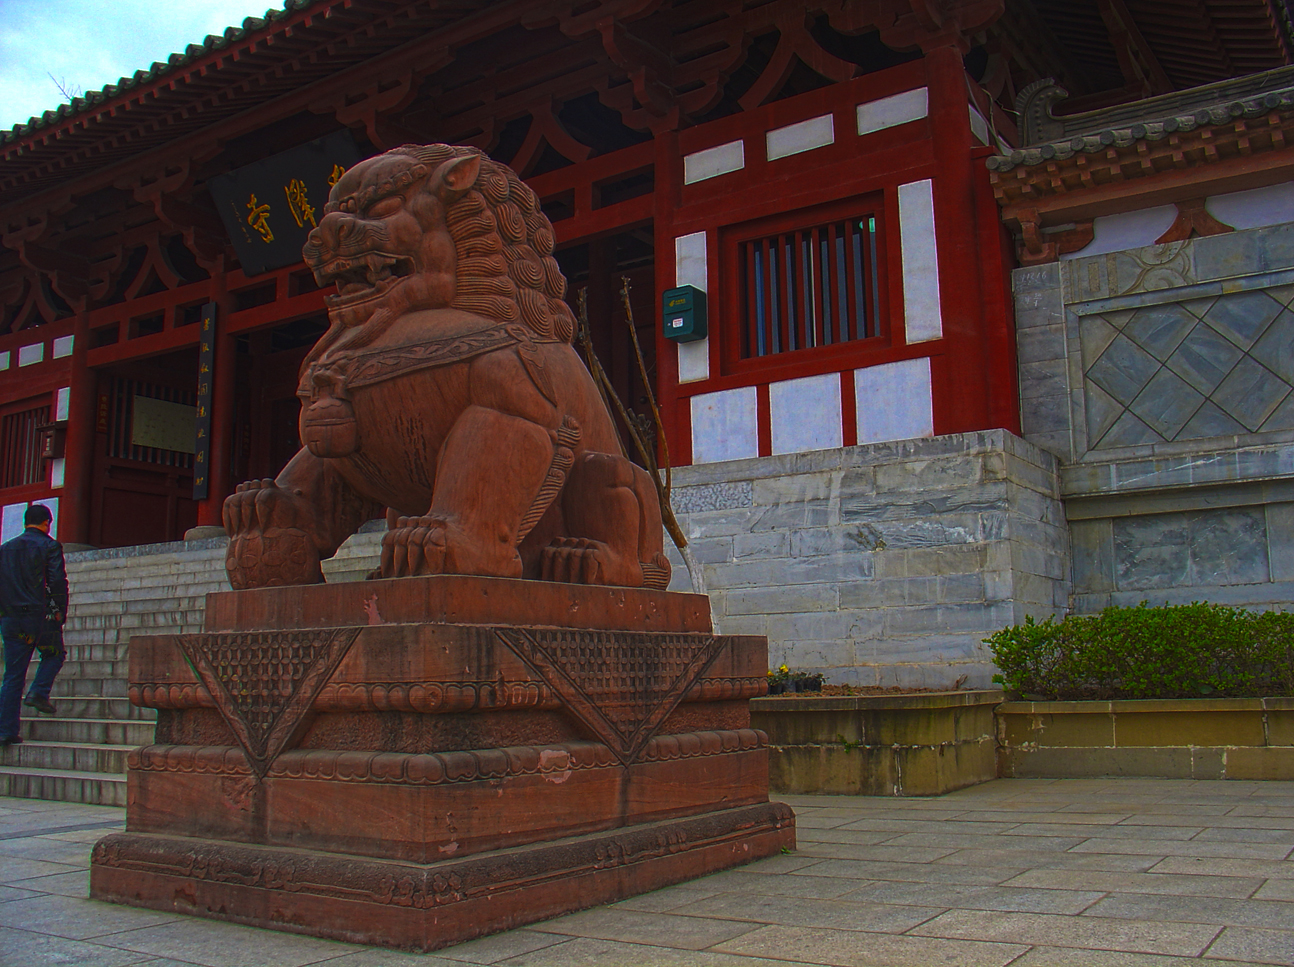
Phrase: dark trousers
(23, 634)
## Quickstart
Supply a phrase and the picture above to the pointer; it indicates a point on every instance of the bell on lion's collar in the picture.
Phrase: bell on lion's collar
(328, 428)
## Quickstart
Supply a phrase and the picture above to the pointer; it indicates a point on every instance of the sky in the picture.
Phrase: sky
(85, 44)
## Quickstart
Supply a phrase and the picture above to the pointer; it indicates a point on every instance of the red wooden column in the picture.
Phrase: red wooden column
(222, 405)
(960, 391)
(78, 470)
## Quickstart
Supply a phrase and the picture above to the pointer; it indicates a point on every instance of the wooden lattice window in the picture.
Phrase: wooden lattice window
(810, 286)
(21, 447)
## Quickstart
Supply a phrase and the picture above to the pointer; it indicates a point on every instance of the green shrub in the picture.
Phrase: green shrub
(1182, 651)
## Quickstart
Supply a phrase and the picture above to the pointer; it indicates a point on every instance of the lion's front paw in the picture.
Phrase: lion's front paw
(269, 541)
(416, 545)
(575, 560)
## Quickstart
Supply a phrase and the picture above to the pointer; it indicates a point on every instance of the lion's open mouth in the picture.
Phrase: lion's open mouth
(364, 277)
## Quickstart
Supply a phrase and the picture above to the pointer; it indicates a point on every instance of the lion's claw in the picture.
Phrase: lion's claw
(269, 543)
(416, 545)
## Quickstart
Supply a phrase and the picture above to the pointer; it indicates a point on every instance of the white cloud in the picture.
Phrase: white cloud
(86, 44)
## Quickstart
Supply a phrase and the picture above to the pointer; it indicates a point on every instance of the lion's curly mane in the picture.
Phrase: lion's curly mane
(504, 245)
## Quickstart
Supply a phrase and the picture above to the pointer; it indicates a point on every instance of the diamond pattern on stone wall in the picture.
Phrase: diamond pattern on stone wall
(1188, 370)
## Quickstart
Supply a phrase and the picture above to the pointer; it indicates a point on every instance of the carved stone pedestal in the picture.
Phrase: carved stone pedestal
(419, 762)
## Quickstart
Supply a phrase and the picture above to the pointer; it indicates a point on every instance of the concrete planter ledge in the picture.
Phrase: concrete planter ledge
(914, 744)
(1201, 738)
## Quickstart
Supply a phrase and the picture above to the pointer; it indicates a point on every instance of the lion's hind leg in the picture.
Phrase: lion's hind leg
(613, 529)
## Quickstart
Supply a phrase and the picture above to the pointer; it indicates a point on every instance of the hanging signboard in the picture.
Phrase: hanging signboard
(202, 429)
(270, 207)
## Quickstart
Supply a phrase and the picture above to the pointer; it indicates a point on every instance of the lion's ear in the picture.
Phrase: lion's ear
(456, 176)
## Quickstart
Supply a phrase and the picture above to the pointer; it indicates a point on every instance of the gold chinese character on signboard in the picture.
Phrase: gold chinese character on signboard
(201, 457)
(337, 172)
(202, 411)
(206, 347)
(202, 433)
(259, 218)
(203, 369)
(298, 204)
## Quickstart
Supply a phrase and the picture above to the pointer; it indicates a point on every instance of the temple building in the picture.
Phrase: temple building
(976, 308)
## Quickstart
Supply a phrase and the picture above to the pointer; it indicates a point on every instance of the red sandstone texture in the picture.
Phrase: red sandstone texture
(417, 782)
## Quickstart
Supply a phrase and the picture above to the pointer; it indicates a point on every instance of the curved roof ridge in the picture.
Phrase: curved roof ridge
(211, 42)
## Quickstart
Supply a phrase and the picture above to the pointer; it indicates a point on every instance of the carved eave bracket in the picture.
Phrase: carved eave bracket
(163, 190)
(372, 110)
(74, 276)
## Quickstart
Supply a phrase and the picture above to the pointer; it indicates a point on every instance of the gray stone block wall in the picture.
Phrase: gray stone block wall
(884, 564)
(1163, 379)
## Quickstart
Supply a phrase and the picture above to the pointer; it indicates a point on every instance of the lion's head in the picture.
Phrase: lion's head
(425, 227)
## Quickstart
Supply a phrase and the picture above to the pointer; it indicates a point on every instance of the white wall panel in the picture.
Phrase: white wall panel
(894, 401)
(922, 317)
(803, 136)
(889, 112)
(712, 162)
(805, 414)
(725, 425)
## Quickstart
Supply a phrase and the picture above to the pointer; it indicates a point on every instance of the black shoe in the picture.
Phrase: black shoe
(40, 704)
(11, 740)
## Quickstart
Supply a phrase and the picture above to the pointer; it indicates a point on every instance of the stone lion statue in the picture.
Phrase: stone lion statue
(447, 393)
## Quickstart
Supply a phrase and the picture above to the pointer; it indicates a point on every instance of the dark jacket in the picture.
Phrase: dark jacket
(32, 573)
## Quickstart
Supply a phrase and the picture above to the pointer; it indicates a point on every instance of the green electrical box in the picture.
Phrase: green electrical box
(684, 313)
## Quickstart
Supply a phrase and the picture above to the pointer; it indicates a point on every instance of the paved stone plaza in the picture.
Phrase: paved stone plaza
(1032, 873)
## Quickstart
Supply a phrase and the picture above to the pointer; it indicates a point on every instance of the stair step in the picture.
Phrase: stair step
(54, 728)
(69, 756)
(112, 707)
(63, 785)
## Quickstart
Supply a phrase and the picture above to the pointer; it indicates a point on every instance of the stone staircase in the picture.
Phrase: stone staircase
(79, 755)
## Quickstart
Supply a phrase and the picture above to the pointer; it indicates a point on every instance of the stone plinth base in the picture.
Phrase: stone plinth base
(427, 906)
(423, 761)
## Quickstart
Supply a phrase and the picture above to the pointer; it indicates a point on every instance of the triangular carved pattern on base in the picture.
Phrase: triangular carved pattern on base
(264, 682)
(622, 686)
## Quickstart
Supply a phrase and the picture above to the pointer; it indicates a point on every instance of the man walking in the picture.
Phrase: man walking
(33, 601)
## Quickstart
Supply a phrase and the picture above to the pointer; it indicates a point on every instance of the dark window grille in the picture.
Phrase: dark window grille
(20, 447)
(810, 287)
(121, 422)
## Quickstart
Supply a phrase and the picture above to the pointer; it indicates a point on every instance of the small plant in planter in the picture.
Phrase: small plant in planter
(804, 682)
(778, 680)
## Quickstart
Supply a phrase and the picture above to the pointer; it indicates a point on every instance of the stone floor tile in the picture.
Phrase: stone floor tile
(1232, 887)
(1112, 831)
(1191, 847)
(1214, 822)
(8, 893)
(1215, 866)
(1274, 914)
(783, 863)
(1099, 933)
(849, 948)
(810, 821)
(822, 914)
(977, 897)
(1261, 809)
(957, 840)
(742, 881)
(21, 948)
(75, 884)
(662, 929)
(590, 952)
(1071, 957)
(76, 919)
(212, 943)
(1033, 815)
(1276, 890)
(48, 850)
(498, 947)
(14, 870)
(1258, 946)
(1224, 835)
(673, 897)
(912, 872)
(900, 824)
(860, 837)
(880, 854)
(1049, 859)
